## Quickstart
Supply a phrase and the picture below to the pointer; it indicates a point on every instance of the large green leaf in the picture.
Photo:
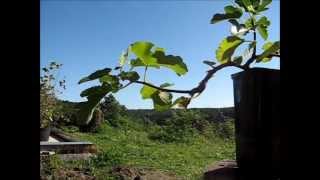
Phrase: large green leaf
(237, 60)
(249, 21)
(162, 100)
(263, 5)
(174, 63)
(142, 50)
(263, 21)
(262, 25)
(131, 76)
(95, 75)
(230, 13)
(138, 63)
(124, 57)
(147, 91)
(111, 80)
(238, 29)
(145, 57)
(165, 97)
(254, 6)
(267, 45)
(249, 5)
(95, 90)
(263, 31)
(182, 102)
(247, 54)
(268, 50)
(94, 96)
(227, 47)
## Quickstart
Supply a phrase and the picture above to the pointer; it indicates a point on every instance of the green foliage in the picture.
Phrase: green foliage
(112, 81)
(161, 100)
(268, 50)
(238, 29)
(48, 93)
(254, 6)
(95, 75)
(124, 57)
(94, 125)
(147, 55)
(237, 60)
(143, 51)
(227, 47)
(209, 63)
(262, 25)
(174, 63)
(263, 5)
(182, 102)
(95, 90)
(65, 113)
(147, 92)
(112, 110)
(231, 12)
(164, 85)
(87, 108)
(131, 76)
(178, 129)
(250, 22)
(111, 158)
(130, 145)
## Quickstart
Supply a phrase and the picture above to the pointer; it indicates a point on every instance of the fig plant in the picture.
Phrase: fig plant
(146, 55)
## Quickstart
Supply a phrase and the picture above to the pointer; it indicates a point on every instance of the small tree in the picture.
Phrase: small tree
(48, 91)
(146, 55)
(111, 108)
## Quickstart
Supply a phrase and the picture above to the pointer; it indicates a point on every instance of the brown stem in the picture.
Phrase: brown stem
(254, 56)
(202, 85)
(163, 89)
(274, 55)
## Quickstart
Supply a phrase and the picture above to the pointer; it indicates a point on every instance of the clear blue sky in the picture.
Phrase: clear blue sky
(90, 35)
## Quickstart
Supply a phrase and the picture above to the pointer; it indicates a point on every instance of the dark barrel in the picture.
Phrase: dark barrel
(257, 121)
(45, 133)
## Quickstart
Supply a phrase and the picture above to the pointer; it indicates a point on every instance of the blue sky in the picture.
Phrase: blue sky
(88, 35)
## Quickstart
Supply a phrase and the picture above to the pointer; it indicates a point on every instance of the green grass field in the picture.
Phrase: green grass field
(131, 146)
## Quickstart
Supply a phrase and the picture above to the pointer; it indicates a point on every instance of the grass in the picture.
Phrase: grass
(131, 146)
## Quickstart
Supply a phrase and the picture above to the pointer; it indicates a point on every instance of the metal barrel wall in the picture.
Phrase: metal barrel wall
(257, 121)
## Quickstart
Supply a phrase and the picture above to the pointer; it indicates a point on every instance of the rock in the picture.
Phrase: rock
(131, 173)
(223, 170)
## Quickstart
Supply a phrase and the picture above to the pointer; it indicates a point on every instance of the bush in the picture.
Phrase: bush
(95, 124)
(179, 128)
(65, 113)
(48, 93)
(111, 109)
(183, 125)
(225, 129)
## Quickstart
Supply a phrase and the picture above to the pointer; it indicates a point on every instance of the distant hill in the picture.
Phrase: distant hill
(211, 114)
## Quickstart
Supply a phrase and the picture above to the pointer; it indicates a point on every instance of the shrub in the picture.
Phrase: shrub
(48, 91)
(225, 129)
(179, 128)
(65, 113)
(112, 110)
(95, 124)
